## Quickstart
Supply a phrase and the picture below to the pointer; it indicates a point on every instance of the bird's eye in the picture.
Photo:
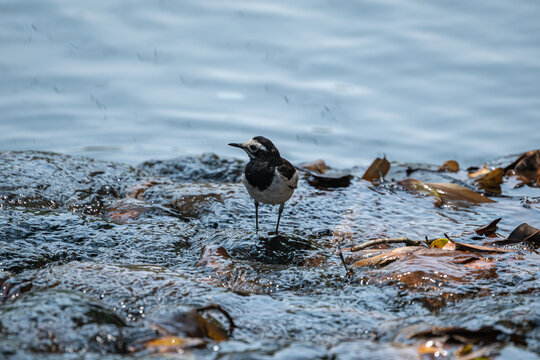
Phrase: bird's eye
(252, 148)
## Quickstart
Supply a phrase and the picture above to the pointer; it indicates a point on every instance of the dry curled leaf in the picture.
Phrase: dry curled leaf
(491, 181)
(477, 173)
(524, 233)
(488, 229)
(527, 167)
(317, 166)
(377, 170)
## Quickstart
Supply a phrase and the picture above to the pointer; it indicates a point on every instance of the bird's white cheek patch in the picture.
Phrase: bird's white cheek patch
(257, 144)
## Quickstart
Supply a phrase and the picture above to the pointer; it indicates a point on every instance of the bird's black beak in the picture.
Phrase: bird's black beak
(238, 145)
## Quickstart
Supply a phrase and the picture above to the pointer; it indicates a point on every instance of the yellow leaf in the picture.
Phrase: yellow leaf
(439, 243)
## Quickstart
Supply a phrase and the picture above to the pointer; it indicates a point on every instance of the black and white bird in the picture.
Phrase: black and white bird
(268, 177)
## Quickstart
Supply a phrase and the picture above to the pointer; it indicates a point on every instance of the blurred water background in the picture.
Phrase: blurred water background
(421, 81)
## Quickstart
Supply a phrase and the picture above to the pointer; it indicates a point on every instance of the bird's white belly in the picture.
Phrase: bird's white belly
(278, 192)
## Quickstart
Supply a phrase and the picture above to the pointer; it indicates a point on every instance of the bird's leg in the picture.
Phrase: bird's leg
(279, 216)
(257, 217)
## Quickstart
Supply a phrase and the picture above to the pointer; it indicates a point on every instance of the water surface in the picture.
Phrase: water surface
(420, 81)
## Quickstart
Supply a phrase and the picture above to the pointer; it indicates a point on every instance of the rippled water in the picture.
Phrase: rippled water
(421, 81)
(94, 253)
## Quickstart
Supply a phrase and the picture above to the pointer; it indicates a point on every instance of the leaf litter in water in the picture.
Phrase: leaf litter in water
(449, 166)
(318, 166)
(377, 170)
(186, 329)
(491, 182)
(525, 234)
(444, 192)
(526, 167)
(489, 229)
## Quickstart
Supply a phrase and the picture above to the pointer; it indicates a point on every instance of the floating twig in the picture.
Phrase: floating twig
(348, 271)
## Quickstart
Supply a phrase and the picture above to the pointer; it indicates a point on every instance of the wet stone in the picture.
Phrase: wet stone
(61, 321)
(281, 250)
(203, 168)
(47, 180)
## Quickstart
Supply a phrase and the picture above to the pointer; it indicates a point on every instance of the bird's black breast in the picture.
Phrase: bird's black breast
(286, 169)
(259, 173)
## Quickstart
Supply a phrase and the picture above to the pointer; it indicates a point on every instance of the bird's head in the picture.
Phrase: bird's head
(258, 147)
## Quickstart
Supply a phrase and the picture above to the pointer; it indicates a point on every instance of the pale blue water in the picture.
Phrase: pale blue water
(421, 81)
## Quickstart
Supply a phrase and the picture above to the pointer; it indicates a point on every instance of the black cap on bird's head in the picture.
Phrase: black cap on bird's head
(258, 147)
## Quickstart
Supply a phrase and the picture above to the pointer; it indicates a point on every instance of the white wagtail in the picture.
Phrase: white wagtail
(268, 177)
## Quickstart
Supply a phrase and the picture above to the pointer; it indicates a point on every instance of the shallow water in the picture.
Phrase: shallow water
(417, 80)
(93, 253)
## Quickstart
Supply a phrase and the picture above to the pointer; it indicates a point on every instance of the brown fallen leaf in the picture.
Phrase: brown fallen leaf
(191, 324)
(427, 269)
(527, 167)
(481, 264)
(524, 233)
(477, 173)
(485, 334)
(317, 166)
(449, 192)
(387, 257)
(488, 229)
(449, 166)
(377, 170)
(431, 347)
(169, 344)
(127, 209)
(422, 188)
(444, 192)
(491, 181)
(138, 189)
(479, 248)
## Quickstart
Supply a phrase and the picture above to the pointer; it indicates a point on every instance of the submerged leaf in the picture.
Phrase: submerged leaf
(377, 170)
(172, 344)
(485, 334)
(190, 324)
